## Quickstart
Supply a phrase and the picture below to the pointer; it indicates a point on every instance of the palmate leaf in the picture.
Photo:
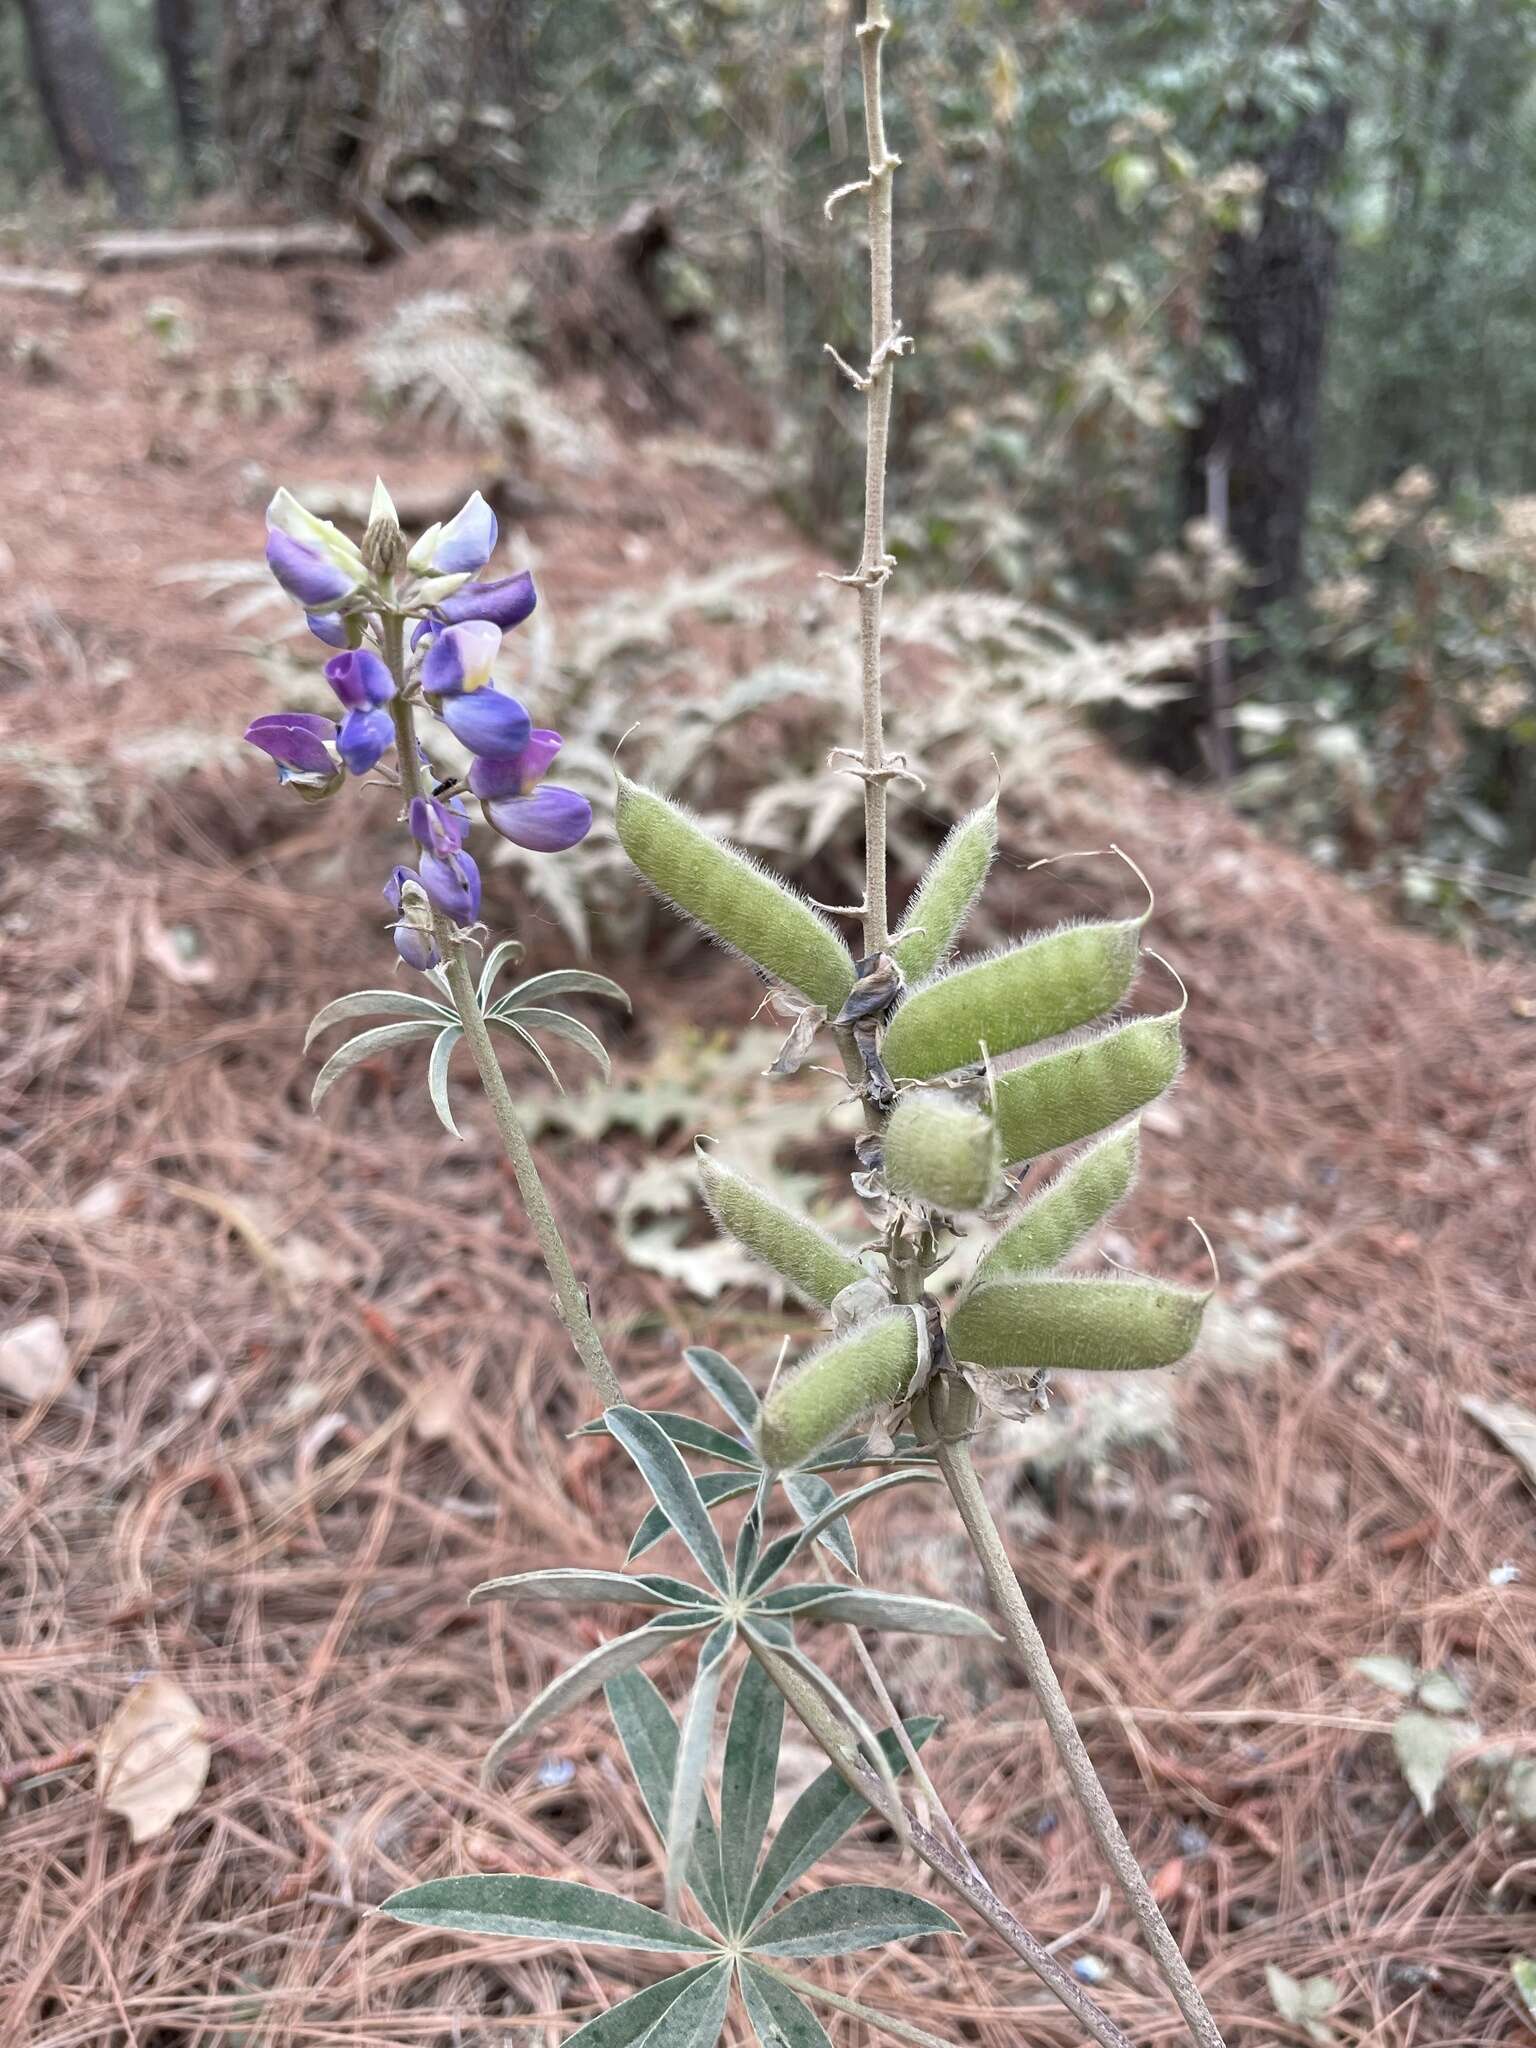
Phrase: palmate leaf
(694, 2019)
(661, 1467)
(558, 1025)
(649, 1735)
(819, 1819)
(366, 1046)
(779, 2018)
(692, 1435)
(437, 1078)
(785, 1549)
(377, 1002)
(541, 1909)
(845, 1917)
(588, 1673)
(631, 2022)
(570, 1586)
(715, 1488)
(764, 1629)
(730, 1388)
(862, 1607)
(693, 1758)
(747, 1784)
(810, 1496)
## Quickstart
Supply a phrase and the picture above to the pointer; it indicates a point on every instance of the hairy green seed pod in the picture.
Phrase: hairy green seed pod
(1030, 992)
(734, 900)
(942, 1151)
(944, 896)
(1061, 1215)
(815, 1265)
(1076, 1324)
(836, 1387)
(1085, 1088)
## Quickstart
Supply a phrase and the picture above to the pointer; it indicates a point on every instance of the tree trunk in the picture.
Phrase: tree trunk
(332, 103)
(177, 32)
(1274, 291)
(79, 98)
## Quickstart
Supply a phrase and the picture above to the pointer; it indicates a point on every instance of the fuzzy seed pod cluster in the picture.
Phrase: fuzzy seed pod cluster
(940, 1149)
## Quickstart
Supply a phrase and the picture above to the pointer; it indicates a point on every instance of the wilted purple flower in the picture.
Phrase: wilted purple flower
(452, 881)
(460, 659)
(414, 941)
(359, 678)
(330, 627)
(544, 820)
(441, 828)
(299, 742)
(461, 547)
(366, 736)
(488, 723)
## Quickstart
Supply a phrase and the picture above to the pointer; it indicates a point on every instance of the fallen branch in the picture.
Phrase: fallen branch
(308, 241)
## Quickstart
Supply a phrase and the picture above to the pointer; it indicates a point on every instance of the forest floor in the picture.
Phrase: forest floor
(316, 1391)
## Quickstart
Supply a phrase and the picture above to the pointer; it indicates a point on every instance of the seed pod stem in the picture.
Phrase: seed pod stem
(1084, 1088)
(839, 1385)
(1057, 1219)
(1076, 1324)
(944, 896)
(810, 1261)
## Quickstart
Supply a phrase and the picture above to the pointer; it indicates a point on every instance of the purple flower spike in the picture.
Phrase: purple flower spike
(488, 723)
(460, 659)
(416, 948)
(298, 741)
(453, 884)
(306, 572)
(505, 603)
(438, 826)
(548, 821)
(359, 679)
(330, 627)
(365, 737)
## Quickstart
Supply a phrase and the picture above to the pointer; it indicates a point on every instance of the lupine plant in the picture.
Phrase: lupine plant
(966, 1070)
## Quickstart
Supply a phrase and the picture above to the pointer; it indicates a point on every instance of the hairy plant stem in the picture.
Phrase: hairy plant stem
(944, 1416)
(874, 564)
(570, 1295)
(966, 1881)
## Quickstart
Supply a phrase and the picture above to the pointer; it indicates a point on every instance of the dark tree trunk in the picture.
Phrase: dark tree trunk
(178, 32)
(1274, 291)
(332, 104)
(79, 98)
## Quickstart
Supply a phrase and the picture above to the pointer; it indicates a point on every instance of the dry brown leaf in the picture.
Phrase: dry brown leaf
(438, 1412)
(152, 1758)
(34, 1360)
(1508, 1424)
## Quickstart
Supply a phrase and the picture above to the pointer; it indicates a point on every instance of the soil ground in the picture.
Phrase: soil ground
(317, 1392)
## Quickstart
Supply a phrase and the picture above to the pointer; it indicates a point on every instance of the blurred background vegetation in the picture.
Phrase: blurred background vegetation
(1224, 310)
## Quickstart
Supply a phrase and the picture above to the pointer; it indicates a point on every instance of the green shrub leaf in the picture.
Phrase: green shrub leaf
(714, 1489)
(627, 2024)
(661, 1467)
(734, 900)
(747, 1783)
(779, 2018)
(366, 1046)
(693, 1748)
(719, 1378)
(587, 1675)
(570, 1586)
(863, 1607)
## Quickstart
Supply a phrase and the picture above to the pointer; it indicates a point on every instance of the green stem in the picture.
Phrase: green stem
(570, 1295)
(945, 1416)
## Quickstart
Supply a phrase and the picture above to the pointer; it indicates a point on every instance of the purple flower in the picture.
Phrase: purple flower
(460, 659)
(516, 776)
(440, 827)
(366, 736)
(359, 679)
(452, 881)
(461, 547)
(505, 603)
(330, 627)
(299, 742)
(306, 573)
(487, 722)
(547, 821)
